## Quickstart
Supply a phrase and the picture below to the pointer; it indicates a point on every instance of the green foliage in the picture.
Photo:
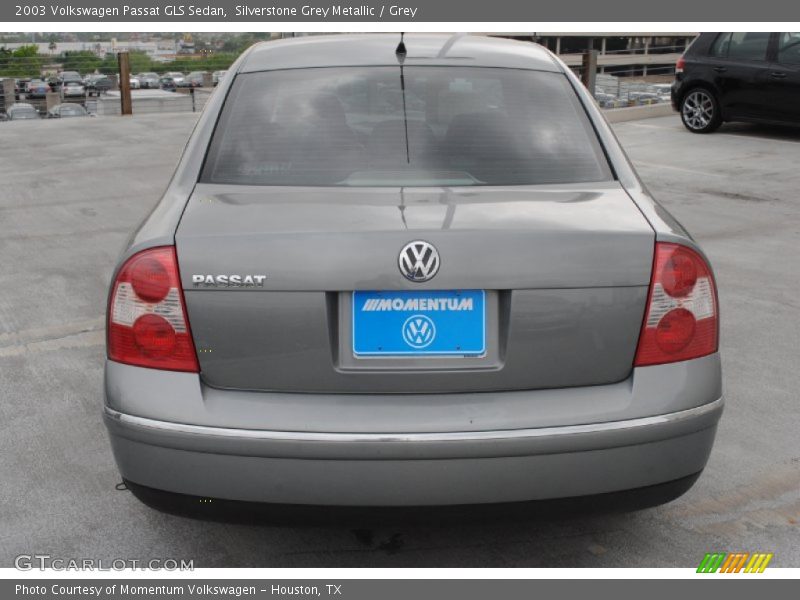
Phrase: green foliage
(82, 61)
(22, 62)
(239, 43)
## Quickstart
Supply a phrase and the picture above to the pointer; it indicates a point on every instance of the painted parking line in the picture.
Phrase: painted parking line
(721, 133)
(641, 163)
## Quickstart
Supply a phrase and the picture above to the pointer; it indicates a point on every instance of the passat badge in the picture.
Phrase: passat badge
(228, 281)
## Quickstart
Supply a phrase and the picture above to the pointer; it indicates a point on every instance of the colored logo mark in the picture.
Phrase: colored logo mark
(735, 562)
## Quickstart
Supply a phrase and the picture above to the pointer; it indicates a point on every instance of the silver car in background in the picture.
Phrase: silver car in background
(409, 274)
(149, 80)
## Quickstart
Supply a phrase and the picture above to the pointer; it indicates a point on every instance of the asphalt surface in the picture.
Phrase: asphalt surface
(72, 191)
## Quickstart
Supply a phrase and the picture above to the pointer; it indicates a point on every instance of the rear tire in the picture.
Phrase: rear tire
(700, 111)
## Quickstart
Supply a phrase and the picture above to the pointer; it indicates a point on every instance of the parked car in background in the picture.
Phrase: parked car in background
(643, 97)
(502, 312)
(168, 83)
(37, 89)
(134, 83)
(97, 85)
(22, 111)
(176, 76)
(738, 76)
(66, 77)
(67, 110)
(217, 76)
(604, 99)
(73, 89)
(192, 80)
(148, 81)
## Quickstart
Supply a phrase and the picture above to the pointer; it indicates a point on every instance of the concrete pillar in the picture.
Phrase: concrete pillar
(603, 46)
(126, 103)
(589, 70)
(9, 89)
(52, 99)
(208, 79)
(558, 45)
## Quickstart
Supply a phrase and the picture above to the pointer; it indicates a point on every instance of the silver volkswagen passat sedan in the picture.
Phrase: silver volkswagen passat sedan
(418, 273)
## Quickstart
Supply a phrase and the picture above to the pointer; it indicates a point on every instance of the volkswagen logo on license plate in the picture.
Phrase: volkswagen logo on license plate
(419, 261)
(419, 331)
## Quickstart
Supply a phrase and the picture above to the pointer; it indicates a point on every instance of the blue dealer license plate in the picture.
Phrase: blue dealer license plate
(443, 323)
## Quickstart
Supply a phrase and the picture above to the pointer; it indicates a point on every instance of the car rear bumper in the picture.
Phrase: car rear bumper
(263, 466)
(357, 468)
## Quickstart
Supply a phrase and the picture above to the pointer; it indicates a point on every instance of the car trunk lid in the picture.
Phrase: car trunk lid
(565, 269)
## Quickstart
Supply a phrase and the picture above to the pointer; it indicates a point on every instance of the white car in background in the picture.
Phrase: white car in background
(176, 76)
(73, 89)
(217, 76)
(148, 80)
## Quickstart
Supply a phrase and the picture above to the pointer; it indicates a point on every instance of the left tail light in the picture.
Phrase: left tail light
(147, 322)
(681, 322)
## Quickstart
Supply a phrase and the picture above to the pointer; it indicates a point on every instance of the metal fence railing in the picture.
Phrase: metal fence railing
(617, 82)
(630, 85)
(39, 82)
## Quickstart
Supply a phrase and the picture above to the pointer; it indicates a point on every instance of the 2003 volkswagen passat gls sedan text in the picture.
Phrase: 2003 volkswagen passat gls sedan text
(409, 274)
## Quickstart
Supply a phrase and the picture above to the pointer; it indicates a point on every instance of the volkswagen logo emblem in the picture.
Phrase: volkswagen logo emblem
(419, 261)
(419, 331)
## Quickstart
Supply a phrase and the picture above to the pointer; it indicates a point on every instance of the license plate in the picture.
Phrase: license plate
(402, 323)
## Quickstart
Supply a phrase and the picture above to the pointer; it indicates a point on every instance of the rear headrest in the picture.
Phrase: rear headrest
(420, 134)
(486, 134)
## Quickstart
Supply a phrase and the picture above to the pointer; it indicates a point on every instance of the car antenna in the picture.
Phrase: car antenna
(400, 52)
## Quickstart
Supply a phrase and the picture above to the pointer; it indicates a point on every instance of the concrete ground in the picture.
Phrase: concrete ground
(70, 193)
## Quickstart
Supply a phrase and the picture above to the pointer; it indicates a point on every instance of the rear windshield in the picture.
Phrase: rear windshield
(424, 126)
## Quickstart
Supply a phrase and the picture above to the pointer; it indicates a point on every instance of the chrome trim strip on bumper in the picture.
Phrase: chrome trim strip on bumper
(458, 436)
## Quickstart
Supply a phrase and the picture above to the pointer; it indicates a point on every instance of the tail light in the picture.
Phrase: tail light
(681, 321)
(680, 65)
(147, 323)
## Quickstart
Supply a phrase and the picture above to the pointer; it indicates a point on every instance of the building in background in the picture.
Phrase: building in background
(641, 54)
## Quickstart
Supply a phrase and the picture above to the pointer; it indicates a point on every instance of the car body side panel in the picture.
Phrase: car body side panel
(666, 227)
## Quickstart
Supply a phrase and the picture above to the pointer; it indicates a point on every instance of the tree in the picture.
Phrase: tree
(140, 62)
(22, 62)
(82, 61)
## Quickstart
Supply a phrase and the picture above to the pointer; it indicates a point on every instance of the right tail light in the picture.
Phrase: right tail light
(681, 321)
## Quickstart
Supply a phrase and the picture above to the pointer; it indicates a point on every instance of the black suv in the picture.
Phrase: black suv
(738, 77)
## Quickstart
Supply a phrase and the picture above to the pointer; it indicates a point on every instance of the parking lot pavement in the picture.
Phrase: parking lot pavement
(71, 192)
